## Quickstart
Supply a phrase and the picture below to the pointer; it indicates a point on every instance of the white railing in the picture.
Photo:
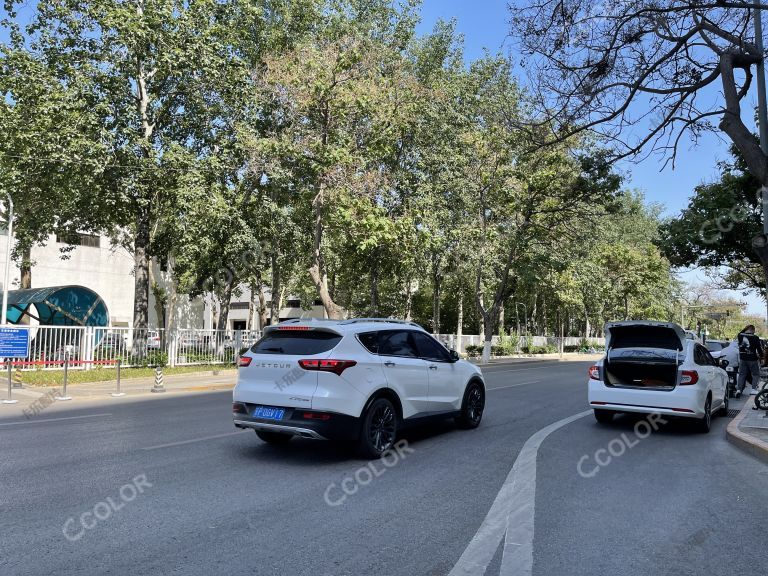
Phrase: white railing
(86, 347)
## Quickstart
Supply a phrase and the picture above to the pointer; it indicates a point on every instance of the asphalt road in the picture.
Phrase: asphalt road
(167, 486)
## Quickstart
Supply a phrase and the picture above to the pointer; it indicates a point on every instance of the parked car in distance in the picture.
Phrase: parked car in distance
(716, 345)
(191, 340)
(112, 340)
(654, 368)
(354, 381)
(153, 340)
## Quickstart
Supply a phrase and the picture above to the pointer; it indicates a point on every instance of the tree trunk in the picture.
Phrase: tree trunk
(141, 272)
(161, 298)
(408, 299)
(317, 271)
(225, 302)
(262, 307)
(374, 277)
(437, 278)
(460, 324)
(274, 309)
(25, 269)
(488, 329)
(501, 320)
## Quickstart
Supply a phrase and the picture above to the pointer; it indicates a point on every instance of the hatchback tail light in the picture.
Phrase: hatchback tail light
(594, 372)
(245, 361)
(335, 366)
(688, 377)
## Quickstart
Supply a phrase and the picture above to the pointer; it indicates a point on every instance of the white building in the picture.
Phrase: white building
(108, 270)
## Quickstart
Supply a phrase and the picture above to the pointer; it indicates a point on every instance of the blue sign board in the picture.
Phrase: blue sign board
(14, 342)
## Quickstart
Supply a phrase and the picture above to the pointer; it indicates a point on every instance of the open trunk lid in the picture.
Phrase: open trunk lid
(645, 355)
(644, 334)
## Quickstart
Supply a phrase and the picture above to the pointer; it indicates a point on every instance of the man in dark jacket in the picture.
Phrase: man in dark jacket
(750, 352)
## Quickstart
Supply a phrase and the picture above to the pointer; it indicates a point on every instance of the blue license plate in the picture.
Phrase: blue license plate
(268, 413)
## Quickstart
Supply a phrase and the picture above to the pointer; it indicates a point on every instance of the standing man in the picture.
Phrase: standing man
(750, 352)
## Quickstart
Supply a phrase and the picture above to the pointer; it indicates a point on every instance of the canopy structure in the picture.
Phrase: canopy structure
(58, 306)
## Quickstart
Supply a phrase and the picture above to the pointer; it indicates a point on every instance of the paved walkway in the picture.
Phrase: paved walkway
(192, 382)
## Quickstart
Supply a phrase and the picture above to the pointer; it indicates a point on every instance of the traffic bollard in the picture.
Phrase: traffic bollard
(118, 393)
(159, 385)
(10, 399)
(66, 374)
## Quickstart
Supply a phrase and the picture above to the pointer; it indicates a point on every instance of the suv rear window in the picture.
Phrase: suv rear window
(296, 343)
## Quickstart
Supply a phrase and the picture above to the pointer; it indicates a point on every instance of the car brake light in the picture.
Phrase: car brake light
(688, 377)
(594, 372)
(245, 361)
(335, 366)
(294, 328)
(239, 408)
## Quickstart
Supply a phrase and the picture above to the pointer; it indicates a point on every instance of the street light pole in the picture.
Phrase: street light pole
(6, 277)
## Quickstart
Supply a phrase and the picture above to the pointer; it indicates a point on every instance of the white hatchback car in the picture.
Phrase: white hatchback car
(355, 380)
(651, 367)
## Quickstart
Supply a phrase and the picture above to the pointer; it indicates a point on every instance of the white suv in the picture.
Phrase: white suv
(352, 380)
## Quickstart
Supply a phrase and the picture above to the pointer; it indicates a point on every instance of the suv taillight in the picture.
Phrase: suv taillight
(245, 361)
(594, 372)
(688, 377)
(335, 366)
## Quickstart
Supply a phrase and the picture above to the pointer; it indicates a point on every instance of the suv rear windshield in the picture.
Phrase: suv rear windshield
(296, 342)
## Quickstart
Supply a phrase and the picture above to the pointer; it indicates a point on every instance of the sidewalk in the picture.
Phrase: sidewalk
(192, 382)
(749, 430)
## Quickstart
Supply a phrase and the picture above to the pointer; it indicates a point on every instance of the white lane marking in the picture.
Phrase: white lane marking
(512, 512)
(182, 442)
(514, 385)
(36, 421)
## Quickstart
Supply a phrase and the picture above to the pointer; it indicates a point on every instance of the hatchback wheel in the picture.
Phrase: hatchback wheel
(379, 428)
(472, 407)
(705, 423)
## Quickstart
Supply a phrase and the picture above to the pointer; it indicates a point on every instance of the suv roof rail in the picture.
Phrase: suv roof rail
(387, 320)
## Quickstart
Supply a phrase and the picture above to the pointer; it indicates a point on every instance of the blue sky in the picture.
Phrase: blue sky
(484, 25)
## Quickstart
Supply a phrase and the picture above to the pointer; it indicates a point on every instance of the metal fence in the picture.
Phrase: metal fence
(86, 347)
(452, 341)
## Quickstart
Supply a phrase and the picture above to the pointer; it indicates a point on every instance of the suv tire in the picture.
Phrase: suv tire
(378, 430)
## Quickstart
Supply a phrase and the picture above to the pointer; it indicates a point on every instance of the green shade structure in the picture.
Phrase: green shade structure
(58, 306)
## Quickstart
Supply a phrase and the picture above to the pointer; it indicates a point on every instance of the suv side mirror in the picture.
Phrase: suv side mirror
(454, 355)
(724, 363)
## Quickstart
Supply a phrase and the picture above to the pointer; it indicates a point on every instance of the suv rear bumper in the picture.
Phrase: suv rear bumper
(339, 427)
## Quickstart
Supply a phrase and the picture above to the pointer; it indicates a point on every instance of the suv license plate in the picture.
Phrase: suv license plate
(268, 413)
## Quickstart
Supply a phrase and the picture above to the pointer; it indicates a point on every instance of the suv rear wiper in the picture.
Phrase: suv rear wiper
(278, 349)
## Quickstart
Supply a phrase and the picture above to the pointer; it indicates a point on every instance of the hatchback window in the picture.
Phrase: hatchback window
(296, 342)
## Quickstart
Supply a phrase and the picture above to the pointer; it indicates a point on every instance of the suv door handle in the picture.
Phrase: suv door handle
(432, 367)
(389, 363)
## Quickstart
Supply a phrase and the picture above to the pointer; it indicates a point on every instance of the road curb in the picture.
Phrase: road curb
(754, 446)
